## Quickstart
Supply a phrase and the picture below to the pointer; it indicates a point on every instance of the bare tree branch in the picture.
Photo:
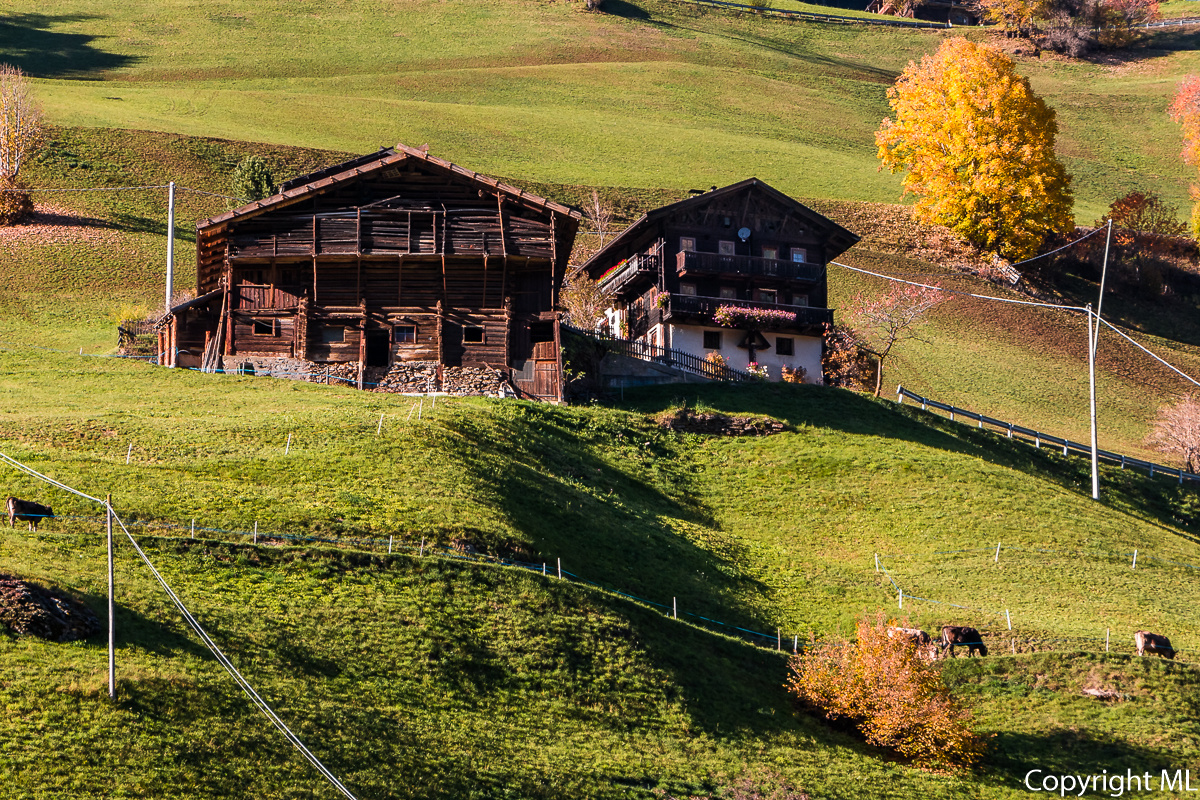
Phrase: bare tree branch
(21, 128)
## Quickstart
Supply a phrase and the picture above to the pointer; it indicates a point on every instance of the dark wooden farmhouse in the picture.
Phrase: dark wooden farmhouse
(735, 275)
(395, 270)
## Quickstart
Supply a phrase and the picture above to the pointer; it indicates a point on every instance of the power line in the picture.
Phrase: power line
(222, 659)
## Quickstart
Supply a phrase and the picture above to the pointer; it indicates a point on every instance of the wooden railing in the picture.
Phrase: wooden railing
(1037, 438)
(753, 266)
(707, 306)
(666, 356)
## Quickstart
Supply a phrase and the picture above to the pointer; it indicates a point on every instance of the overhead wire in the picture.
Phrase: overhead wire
(195, 625)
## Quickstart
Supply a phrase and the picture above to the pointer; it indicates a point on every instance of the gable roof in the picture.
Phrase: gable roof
(839, 239)
(304, 186)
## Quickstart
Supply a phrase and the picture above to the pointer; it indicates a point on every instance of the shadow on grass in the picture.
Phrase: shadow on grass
(603, 497)
(28, 41)
(1071, 752)
(1174, 507)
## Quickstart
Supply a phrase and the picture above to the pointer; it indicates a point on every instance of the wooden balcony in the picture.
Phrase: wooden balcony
(691, 308)
(693, 263)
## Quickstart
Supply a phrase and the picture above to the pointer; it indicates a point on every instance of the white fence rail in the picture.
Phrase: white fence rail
(1038, 438)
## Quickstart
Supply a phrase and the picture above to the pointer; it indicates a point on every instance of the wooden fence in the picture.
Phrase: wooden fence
(1037, 438)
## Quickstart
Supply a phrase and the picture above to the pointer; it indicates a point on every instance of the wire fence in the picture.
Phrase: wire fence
(1038, 438)
(999, 623)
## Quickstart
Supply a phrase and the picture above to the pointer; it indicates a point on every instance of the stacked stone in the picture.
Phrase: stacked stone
(712, 424)
(410, 377)
(29, 609)
(472, 381)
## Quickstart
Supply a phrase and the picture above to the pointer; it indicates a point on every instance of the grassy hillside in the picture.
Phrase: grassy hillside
(431, 678)
(655, 94)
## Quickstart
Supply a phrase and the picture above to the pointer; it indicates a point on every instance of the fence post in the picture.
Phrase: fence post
(1065, 449)
(288, 449)
(389, 544)
(193, 535)
(1008, 619)
(543, 569)
(379, 430)
(795, 644)
(1151, 470)
(1134, 564)
(560, 569)
(952, 413)
(112, 621)
(779, 640)
(901, 597)
(1107, 631)
(1037, 441)
(674, 609)
(256, 531)
(1122, 462)
(877, 562)
(997, 558)
(129, 453)
(899, 394)
(422, 553)
(1010, 430)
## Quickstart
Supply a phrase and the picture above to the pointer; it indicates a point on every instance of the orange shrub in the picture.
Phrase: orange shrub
(896, 698)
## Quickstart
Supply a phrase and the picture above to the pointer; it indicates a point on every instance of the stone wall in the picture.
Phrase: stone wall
(405, 377)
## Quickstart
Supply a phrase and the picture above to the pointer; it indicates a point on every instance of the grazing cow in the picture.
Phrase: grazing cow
(960, 636)
(1153, 643)
(916, 635)
(925, 647)
(26, 511)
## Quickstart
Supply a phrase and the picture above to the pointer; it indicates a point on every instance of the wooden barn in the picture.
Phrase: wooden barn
(735, 276)
(395, 270)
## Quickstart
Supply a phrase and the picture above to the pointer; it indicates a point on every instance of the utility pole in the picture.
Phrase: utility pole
(112, 621)
(170, 244)
(1093, 339)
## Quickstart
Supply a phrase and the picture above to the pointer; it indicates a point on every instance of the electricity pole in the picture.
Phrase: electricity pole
(170, 244)
(1093, 339)
(112, 621)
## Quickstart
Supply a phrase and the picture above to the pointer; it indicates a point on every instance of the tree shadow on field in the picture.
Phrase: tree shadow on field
(1073, 752)
(858, 69)
(28, 42)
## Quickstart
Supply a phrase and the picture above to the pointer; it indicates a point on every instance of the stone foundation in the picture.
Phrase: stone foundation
(404, 377)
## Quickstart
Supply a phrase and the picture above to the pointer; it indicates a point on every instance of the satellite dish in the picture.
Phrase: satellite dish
(743, 233)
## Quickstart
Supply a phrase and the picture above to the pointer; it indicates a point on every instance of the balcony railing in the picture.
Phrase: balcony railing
(750, 266)
(686, 304)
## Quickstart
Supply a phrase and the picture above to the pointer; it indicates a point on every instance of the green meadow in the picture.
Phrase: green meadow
(653, 94)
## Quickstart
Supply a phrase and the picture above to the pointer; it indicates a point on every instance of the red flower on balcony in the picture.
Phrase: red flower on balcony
(741, 317)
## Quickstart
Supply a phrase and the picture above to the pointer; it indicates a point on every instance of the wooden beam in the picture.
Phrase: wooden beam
(500, 214)
(483, 299)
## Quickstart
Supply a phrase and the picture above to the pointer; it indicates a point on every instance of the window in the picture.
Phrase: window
(472, 334)
(687, 244)
(264, 327)
(405, 334)
(688, 289)
(768, 296)
(728, 293)
(770, 252)
(784, 345)
(712, 340)
(725, 247)
(333, 335)
(799, 255)
(800, 300)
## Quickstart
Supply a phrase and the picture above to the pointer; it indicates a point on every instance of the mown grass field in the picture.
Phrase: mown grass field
(473, 680)
(655, 94)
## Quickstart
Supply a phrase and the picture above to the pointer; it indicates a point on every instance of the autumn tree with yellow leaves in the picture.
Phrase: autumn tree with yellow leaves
(978, 148)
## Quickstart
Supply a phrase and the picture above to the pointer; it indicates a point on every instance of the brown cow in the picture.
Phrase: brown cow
(916, 635)
(962, 636)
(26, 511)
(1154, 643)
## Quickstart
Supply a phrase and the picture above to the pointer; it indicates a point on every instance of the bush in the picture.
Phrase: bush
(844, 362)
(16, 204)
(796, 375)
(895, 698)
(252, 179)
